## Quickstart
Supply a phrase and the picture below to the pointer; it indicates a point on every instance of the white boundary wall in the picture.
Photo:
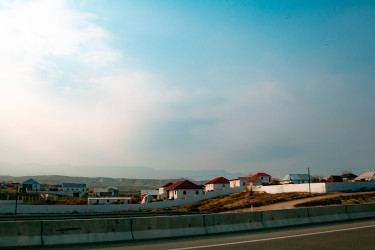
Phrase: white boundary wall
(57, 209)
(316, 187)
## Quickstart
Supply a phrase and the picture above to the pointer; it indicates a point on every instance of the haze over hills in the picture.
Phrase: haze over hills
(114, 172)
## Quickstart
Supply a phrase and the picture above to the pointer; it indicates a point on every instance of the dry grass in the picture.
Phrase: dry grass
(341, 200)
(67, 201)
(239, 201)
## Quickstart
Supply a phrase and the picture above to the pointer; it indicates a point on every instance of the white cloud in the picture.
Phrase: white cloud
(80, 111)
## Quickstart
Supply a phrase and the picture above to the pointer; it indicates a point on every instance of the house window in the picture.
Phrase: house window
(184, 193)
(197, 192)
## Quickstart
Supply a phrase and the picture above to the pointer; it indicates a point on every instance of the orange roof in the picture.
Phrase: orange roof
(185, 184)
(218, 180)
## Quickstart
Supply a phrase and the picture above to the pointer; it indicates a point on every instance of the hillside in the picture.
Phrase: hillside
(246, 202)
(124, 184)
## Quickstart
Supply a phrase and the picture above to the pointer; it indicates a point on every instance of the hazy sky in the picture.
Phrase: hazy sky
(245, 86)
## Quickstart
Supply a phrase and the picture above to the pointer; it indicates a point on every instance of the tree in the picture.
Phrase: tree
(251, 178)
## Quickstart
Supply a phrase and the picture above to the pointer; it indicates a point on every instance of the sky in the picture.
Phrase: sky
(242, 86)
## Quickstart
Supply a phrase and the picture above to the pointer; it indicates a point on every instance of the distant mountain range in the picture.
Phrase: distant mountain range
(113, 172)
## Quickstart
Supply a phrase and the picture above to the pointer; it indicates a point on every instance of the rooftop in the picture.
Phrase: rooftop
(167, 185)
(30, 181)
(185, 184)
(73, 185)
(262, 174)
(219, 180)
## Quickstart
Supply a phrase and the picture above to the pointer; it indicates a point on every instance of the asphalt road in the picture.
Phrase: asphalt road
(344, 235)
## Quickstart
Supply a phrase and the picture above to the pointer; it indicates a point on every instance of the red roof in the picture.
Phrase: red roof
(167, 185)
(218, 180)
(185, 184)
(262, 174)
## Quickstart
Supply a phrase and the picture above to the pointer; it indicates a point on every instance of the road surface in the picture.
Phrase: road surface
(343, 235)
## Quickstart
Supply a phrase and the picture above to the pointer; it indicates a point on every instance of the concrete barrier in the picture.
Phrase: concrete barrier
(60, 232)
(288, 217)
(361, 211)
(231, 222)
(327, 214)
(171, 226)
(20, 233)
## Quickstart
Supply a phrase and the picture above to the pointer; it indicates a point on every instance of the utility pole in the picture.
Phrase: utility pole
(15, 211)
(308, 173)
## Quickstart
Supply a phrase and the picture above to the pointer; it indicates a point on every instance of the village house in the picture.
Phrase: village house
(219, 183)
(263, 178)
(30, 185)
(295, 179)
(183, 189)
(348, 177)
(77, 190)
(239, 182)
(106, 192)
(334, 178)
(368, 176)
(162, 192)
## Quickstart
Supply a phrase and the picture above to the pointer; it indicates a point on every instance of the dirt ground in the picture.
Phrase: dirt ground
(310, 200)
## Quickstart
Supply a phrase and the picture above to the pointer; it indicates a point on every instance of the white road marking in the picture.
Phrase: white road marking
(274, 238)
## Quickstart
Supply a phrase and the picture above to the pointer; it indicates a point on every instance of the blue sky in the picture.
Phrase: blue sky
(244, 86)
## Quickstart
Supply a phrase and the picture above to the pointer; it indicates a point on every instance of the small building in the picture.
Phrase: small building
(183, 189)
(219, 183)
(295, 179)
(162, 192)
(109, 200)
(239, 182)
(147, 198)
(77, 189)
(368, 176)
(334, 178)
(106, 192)
(263, 178)
(30, 185)
(348, 177)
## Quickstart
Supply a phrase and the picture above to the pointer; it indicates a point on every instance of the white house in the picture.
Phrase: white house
(295, 179)
(183, 189)
(162, 192)
(368, 176)
(109, 200)
(219, 183)
(106, 192)
(78, 190)
(263, 178)
(239, 182)
(30, 185)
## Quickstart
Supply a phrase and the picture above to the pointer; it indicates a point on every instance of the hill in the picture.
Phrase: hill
(124, 184)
